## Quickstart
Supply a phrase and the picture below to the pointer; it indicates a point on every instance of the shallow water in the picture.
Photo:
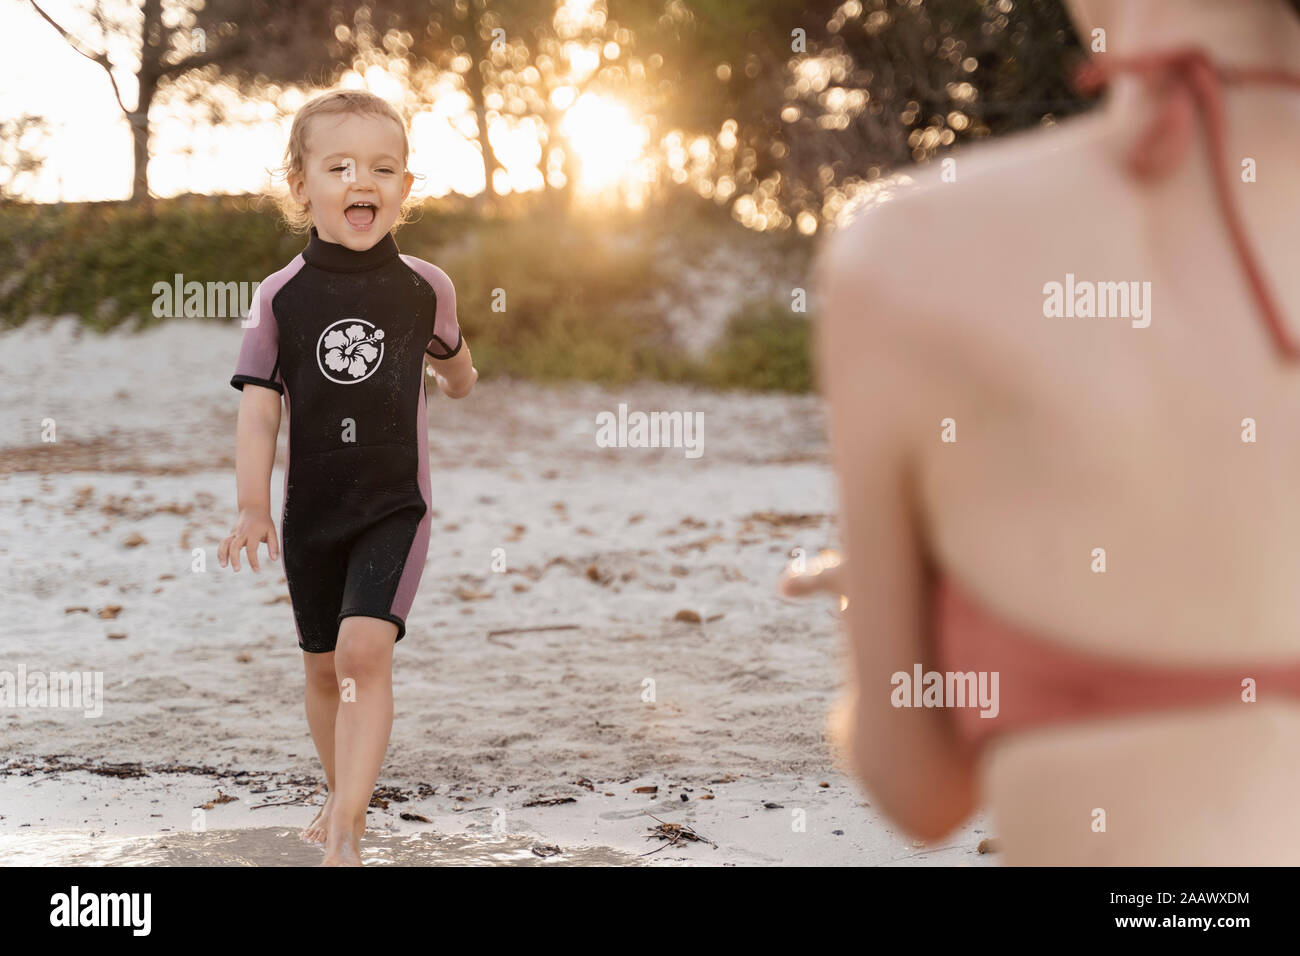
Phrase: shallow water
(281, 846)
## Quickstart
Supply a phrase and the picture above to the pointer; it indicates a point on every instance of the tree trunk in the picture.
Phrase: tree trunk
(152, 42)
(139, 120)
(479, 52)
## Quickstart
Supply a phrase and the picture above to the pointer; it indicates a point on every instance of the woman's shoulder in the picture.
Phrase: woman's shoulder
(925, 239)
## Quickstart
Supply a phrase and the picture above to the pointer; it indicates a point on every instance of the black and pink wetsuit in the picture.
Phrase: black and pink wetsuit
(343, 335)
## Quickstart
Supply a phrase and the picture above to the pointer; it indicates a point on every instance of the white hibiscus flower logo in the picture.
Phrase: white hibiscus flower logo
(350, 350)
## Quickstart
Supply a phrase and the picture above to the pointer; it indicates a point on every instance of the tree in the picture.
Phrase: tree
(515, 50)
(251, 41)
(825, 93)
(20, 154)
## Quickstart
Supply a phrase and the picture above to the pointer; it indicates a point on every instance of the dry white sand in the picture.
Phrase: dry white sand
(202, 677)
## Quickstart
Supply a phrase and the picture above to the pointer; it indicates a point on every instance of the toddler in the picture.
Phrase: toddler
(342, 333)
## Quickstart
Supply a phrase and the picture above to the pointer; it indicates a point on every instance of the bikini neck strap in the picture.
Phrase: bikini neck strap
(1186, 81)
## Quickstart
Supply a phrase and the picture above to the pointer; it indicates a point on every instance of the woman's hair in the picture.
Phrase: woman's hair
(357, 102)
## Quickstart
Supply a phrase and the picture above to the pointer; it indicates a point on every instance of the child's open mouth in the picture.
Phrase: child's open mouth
(360, 215)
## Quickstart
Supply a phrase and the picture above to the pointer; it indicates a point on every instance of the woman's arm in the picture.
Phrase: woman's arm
(868, 364)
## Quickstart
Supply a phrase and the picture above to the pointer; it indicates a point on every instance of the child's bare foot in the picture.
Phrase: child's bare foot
(342, 847)
(316, 830)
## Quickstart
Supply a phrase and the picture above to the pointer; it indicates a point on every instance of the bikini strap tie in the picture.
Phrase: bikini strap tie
(1185, 81)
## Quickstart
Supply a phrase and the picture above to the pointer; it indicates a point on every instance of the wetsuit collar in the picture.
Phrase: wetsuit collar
(335, 257)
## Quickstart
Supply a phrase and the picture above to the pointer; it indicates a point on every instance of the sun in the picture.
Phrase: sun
(608, 142)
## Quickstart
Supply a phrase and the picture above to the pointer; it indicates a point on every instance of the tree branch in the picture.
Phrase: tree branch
(100, 58)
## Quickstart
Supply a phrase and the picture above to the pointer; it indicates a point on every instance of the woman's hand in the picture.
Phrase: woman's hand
(825, 574)
(822, 574)
(252, 526)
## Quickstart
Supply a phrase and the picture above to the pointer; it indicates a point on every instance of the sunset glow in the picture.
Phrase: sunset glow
(89, 147)
(608, 142)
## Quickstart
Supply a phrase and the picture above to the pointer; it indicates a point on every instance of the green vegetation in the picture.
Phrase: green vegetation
(765, 347)
(539, 297)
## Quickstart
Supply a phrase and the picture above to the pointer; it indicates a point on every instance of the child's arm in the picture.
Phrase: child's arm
(255, 437)
(456, 375)
(257, 376)
(448, 352)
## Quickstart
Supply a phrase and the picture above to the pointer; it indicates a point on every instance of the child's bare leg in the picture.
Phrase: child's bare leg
(364, 665)
(322, 698)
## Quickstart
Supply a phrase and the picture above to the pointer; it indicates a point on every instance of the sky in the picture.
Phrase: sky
(89, 142)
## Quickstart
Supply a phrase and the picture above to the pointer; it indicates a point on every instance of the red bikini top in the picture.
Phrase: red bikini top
(1042, 681)
(1184, 79)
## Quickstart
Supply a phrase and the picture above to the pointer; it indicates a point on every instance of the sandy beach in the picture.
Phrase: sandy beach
(509, 746)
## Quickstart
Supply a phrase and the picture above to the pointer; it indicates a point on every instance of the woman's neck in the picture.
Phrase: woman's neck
(1246, 33)
(1234, 33)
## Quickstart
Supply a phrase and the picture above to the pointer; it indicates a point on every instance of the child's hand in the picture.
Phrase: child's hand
(445, 387)
(252, 526)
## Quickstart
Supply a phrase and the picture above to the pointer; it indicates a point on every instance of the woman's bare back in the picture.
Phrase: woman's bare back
(1122, 433)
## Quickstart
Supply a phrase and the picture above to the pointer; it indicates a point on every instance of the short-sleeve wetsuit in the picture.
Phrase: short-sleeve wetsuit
(343, 334)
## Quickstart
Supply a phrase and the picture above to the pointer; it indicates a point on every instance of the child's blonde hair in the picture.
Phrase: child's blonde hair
(358, 102)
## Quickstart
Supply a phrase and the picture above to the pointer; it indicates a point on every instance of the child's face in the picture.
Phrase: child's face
(352, 159)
